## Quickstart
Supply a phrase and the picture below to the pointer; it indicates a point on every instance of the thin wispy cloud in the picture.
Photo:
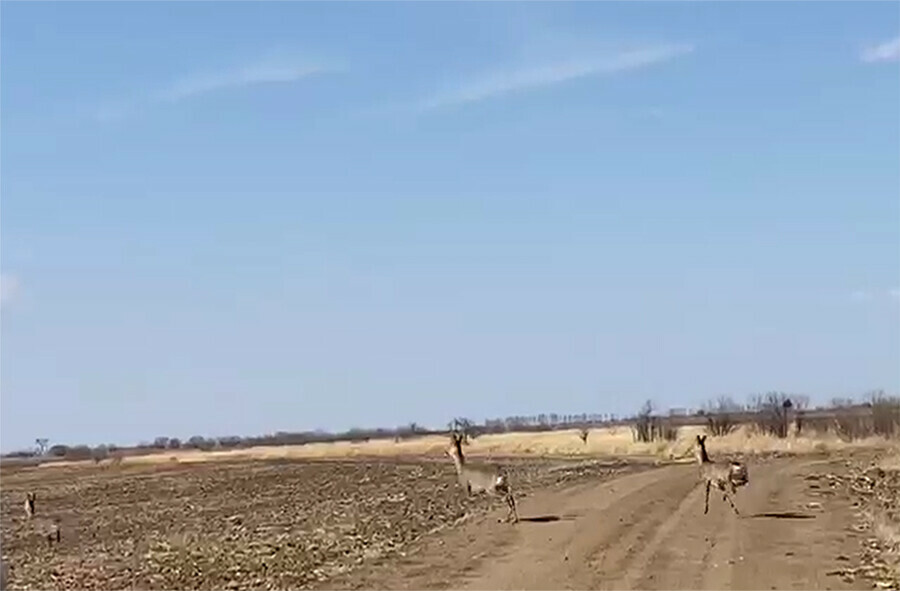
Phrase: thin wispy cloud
(889, 51)
(260, 73)
(277, 70)
(862, 295)
(533, 77)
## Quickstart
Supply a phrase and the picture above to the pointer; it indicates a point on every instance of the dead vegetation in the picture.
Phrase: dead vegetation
(875, 490)
(879, 418)
(771, 416)
(773, 413)
(720, 416)
(880, 497)
(648, 428)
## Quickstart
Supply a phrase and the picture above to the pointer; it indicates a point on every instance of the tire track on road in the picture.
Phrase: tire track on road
(647, 530)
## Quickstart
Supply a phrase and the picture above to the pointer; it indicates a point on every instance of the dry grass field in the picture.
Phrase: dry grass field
(362, 515)
(615, 442)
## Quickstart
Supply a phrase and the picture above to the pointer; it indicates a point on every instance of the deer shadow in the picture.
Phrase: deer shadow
(781, 515)
(546, 518)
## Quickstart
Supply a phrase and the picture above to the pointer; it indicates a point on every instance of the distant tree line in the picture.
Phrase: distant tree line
(779, 415)
(774, 413)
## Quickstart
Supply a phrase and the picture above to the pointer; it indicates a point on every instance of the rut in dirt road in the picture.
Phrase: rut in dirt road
(646, 531)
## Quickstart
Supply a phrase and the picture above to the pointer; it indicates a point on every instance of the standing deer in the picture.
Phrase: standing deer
(29, 504)
(48, 528)
(727, 478)
(481, 478)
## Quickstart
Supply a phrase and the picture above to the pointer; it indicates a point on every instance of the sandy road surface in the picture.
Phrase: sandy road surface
(646, 531)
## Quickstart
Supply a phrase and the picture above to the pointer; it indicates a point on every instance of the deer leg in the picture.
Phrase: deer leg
(730, 502)
(511, 501)
(706, 509)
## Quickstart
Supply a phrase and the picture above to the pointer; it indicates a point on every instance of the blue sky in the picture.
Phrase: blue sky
(230, 218)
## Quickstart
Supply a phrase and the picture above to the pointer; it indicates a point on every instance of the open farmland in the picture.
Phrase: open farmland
(272, 524)
(816, 514)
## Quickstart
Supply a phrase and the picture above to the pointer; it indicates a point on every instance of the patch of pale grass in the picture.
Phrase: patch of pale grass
(746, 440)
(428, 445)
(892, 460)
(888, 533)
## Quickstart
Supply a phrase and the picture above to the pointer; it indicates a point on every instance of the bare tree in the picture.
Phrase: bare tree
(801, 403)
(463, 426)
(719, 416)
(885, 413)
(772, 413)
(648, 427)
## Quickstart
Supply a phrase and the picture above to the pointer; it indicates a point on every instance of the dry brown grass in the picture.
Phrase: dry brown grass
(886, 517)
(606, 442)
(888, 532)
(891, 461)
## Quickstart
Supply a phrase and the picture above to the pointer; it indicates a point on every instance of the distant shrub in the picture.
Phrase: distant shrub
(852, 423)
(643, 424)
(648, 428)
(819, 425)
(99, 453)
(26, 453)
(79, 452)
(201, 443)
(58, 451)
(665, 430)
(230, 442)
(885, 414)
(720, 416)
(771, 416)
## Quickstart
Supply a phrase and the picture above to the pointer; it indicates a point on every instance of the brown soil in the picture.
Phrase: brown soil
(255, 524)
(407, 525)
(648, 531)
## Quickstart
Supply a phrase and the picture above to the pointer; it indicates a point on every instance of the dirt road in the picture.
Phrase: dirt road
(647, 531)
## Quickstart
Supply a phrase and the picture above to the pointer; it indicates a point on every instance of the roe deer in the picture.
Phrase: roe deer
(481, 478)
(29, 504)
(727, 478)
(47, 528)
